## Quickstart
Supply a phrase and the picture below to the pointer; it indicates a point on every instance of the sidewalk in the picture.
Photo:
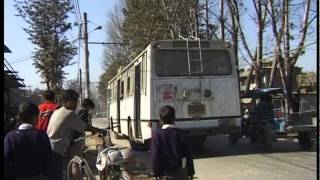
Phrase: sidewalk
(136, 166)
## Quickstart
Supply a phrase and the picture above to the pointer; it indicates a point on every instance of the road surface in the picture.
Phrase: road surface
(220, 161)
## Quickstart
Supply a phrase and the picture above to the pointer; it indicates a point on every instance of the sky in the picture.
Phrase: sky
(17, 41)
(97, 13)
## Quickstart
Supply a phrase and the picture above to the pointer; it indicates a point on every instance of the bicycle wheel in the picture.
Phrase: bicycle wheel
(124, 175)
(78, 169)
(74, 171)
(117, 174)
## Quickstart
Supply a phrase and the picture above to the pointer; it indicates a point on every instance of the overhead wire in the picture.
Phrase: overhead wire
(17, 59)
(273, 54)
(78, 11)
(26, 59)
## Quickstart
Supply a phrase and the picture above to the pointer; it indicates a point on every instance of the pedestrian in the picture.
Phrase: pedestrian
(27, 150)
(86, 106)
(46, 110)
(75, 148)
(62, 124)
(170, 154)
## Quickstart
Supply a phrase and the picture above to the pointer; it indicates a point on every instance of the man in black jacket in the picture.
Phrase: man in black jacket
(170, 154)
(75, 148)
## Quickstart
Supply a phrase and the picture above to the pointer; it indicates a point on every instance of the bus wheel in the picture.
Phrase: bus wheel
(233, 138)
(266, 137)
(305, 141)
(196, 142)
(133, 144)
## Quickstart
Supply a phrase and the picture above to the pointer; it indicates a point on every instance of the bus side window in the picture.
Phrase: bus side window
(122, 90)
(115, 91)
(131, 74)
(109, 94)
(143, 72)
(128, 86)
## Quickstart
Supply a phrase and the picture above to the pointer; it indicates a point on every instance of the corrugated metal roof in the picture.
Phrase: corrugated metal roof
(6, 49)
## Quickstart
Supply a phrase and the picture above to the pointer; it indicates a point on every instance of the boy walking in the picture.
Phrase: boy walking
(27, 151)
(170, 155)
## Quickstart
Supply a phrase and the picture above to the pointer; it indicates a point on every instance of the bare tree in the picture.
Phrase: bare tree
(256, 55)
(284, 36)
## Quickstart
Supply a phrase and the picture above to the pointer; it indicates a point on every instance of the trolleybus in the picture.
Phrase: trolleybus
(199, 78)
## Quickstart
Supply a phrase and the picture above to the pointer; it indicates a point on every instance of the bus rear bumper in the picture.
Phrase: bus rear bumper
(212, 131)
(210, 127)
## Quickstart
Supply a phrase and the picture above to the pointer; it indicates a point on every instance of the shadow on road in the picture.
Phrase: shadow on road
(218, 146)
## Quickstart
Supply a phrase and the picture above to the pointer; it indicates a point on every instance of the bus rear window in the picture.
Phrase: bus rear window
(175, 63)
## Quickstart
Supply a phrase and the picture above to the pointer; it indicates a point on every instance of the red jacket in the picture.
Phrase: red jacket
(46, 109)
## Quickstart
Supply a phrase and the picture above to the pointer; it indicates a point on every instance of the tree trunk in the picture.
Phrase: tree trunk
(260, 27)
(222, 20)
(248, 81)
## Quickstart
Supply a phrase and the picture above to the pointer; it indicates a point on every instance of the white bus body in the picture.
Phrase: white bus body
(201, 83)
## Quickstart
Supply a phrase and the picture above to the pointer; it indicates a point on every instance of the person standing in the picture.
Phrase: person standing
(27, 150)
(170, 154)
(46, 110)
(62, 124)
(86, 106)
(75, 148)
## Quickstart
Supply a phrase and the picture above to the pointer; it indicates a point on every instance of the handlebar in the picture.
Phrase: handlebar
(99, 135)
(81, 138)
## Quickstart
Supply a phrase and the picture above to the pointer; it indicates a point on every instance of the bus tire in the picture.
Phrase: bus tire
(305, 141)
(234, 138)
(196, 142)
(133, 144)
(266, 137)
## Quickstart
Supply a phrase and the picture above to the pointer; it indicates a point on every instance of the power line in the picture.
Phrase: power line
(108, 43)
(76, 5)
(78, 19)
(275, 54)
(96, 23)
(26, 59)
(71, 34)
(17, 59)
(78, 8)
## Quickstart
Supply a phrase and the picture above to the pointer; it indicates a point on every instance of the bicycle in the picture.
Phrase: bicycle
(79, 169)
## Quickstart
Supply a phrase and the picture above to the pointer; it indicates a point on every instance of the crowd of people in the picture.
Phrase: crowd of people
(39, 148)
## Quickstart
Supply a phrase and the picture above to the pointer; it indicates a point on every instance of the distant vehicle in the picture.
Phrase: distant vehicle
(198, 78)
(263, 128)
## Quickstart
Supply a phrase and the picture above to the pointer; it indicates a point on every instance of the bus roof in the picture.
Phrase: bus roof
(175, 44)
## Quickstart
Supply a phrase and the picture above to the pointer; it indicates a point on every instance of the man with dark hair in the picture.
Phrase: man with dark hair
(170, 154)
(76, 147)
(27, 151)
(46, 110)
(61, 126)
(86, 105)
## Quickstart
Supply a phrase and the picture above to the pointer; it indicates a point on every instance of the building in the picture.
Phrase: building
(13, 92)
(266, 70)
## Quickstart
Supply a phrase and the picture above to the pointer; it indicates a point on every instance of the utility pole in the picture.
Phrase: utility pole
(80, 84)
(86, 58)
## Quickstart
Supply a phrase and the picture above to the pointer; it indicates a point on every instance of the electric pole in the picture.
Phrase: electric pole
(86, 58)
(80, 84)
